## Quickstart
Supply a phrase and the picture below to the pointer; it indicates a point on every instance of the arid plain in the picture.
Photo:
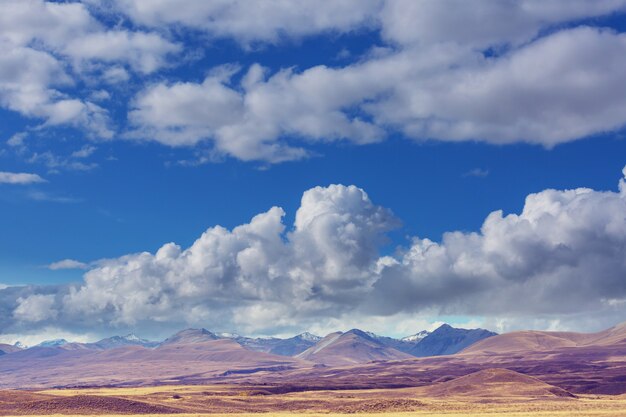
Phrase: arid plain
(510, 395)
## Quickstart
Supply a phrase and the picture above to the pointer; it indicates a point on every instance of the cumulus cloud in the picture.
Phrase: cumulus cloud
(482, 23)
(476, 24)
(560, 258)
(448, 70)
(44, 45)
(251, 23)
(256, 266)
(19, 178)
(144, 52)
(563, 254)
(429, 92)
(35, 308)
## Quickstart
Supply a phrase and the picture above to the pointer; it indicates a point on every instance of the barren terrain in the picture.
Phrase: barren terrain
(485, 393)
(521, 373)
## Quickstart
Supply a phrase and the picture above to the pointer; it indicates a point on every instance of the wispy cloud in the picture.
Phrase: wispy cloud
(477, 172)
(19, 178)
(17, 139)
(67, 264)
(84, 152)
(45, 196)
(55, 162)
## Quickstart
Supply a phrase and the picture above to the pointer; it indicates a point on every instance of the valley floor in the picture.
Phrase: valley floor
(218, 400)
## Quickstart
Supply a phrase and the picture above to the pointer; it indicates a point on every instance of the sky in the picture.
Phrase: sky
(273, 167)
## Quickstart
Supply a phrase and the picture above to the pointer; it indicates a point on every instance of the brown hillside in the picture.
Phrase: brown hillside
(352, 347)
(495, 383)
(537, 341)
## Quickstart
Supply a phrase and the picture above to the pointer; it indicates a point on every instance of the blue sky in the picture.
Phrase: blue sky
(134, 124)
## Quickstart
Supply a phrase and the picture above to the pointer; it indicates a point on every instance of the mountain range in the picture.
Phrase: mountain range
(576, 362)
(364, 346)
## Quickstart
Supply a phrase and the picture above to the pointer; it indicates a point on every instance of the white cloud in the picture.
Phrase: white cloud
(450, 70)
(562, 255)
(259, 21)
(47, 333)
(48, 45)
(477, 172)
(35, 308)
(185, 113)
(144, 52)
(560, 88)
(68, 29)
(406, 22)
(115, 75)
(482, 23)
(557, 263)
(73, 162)
(67, 264)
(329, 252)
(19, 178)
(250, 126)
(17, 140)
(84, 152)
(49, 197)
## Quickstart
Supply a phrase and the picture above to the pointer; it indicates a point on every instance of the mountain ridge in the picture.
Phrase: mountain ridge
(353, 346)
(587, 363)
(290, 347)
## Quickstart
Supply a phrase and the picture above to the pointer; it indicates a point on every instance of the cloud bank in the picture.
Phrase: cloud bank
(562, 257)
(531, 71)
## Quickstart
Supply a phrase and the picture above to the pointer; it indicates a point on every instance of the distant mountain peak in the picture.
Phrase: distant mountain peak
(191, 336)
(192, 330)
(353, 346)
(119, 341)
(309, 337)
(447, 340)
(20, 345)
(53, 343)
(362, 333)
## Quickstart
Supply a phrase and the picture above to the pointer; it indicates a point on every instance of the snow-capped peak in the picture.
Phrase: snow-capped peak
(373, 335)
(132, 337)
(309, 337)
(53, 343)
(416, 337)
(227, 335)
(20, 345)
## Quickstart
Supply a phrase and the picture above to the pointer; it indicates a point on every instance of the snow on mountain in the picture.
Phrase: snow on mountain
(443, 341)
(227, 335)
(191, 336)
(416, 337)
(53, 343)
(119, 341)
(20, 345)
(284, 347)
(309, 337)
(351, 347)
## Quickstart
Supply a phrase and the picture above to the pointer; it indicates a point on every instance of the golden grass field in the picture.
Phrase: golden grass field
(222, 400)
